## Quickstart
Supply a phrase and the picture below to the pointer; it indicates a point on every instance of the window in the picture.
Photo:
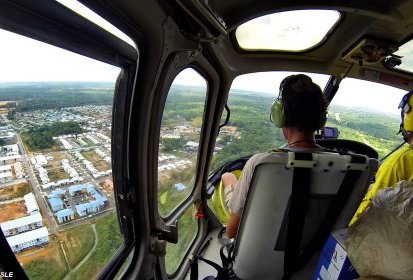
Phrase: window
(249, 130)
(406, 52)
(286, 31)
(179, 140)
(55, 129)
(367, 112)
(188, 228)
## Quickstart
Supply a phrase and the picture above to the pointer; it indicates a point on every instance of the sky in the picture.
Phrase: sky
(27, 60)
(352, 92)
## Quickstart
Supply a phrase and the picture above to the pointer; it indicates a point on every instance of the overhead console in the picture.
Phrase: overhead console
(369, 51)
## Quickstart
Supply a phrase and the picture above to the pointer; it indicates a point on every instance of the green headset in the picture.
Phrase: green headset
(277, 115)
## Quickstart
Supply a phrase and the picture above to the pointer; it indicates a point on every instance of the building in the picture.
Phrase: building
(179, 187)
(20, 225)
(65, 215)
(31, 203)
(6, 177)
(55, 199)
(11, 149)
(56, 204)
(9, 159)
(77, 189)
(91, 206)
(41, 160)
(66, 144)
(28, 239)
(18, 169)
(5, 168)
(191, 146)
(88, 207)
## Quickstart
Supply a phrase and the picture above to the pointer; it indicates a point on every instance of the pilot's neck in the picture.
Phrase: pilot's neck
(299, 139)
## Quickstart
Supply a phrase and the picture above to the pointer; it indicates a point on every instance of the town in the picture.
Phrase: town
(62, 186)
(52, 186)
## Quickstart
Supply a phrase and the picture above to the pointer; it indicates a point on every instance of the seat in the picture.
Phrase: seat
(282, 227)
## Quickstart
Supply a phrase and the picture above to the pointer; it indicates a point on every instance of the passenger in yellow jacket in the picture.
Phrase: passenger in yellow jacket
(399, 165)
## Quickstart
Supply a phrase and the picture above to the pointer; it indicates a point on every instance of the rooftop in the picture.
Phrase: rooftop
(27, 236)
(21, 221)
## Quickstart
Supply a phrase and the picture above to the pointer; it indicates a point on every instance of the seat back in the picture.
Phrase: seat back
(263, 232)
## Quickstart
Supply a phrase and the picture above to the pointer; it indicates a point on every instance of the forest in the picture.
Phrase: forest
(40, 96)
(42, 137)
(250, 115)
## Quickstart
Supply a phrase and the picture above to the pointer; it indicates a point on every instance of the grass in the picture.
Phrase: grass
(57, 174)
(110, 239)
(187, 227)
(14, 191)
(78, 243)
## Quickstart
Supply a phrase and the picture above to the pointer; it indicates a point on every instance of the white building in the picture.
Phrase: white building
(6, 177)
(5, 168)
(18, 169)
(20, 225)
(104, 137)
(9, 159)
(31, 203)
(28, 239)
(92, 139)
(41, 160)
(11, 149)
(65, 144)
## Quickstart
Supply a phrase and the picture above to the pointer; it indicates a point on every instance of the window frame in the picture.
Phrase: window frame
(170, 72)
(54, 24)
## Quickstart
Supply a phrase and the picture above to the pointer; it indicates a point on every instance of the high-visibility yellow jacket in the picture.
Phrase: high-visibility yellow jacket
(398, 166)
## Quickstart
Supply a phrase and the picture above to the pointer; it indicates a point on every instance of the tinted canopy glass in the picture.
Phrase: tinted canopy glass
(286, 31)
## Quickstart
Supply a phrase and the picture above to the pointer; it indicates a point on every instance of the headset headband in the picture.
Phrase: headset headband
(405, 108)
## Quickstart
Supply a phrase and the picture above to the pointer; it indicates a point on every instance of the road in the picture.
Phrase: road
(44, 209)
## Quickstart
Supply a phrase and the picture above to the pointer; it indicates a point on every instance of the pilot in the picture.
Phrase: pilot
(300, 110)
(399, 165)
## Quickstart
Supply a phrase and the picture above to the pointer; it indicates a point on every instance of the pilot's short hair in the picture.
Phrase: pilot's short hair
(305, 107)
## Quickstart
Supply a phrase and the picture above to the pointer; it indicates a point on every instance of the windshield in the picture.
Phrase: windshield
(362, 111)
(249, 129)
(367, 112)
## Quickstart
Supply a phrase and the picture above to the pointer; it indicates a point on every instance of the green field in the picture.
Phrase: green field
(77, 243)
(110, 239)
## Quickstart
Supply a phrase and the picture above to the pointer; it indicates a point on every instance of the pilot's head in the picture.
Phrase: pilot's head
(300, 104)
(406, 127)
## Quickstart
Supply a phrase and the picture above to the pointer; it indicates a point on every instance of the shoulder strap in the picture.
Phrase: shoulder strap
(296, 215)
(323, 231)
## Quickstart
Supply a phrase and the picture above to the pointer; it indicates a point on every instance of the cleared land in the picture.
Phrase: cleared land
(57, 174)
(12, 211)
(14, 191)
(77, 242)
(48, 263)
(97, 160)
(107, 186)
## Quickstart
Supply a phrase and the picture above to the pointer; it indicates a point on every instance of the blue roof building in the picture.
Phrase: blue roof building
(55, 203)
(81, 209)
(56, 193)
(76, 189)
(65, 215)
(179, 187)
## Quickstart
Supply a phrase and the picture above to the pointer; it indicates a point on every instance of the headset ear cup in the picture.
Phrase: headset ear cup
(277, 114)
